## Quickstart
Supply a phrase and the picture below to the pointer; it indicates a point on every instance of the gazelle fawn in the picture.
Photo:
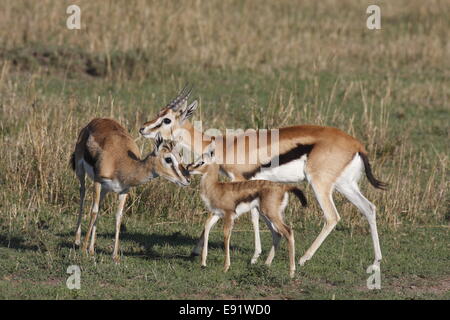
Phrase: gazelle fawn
(111, 158)
(231, 199)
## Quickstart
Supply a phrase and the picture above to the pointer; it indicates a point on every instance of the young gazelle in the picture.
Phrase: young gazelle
(109, 155)
(326, 157)
(231, 199)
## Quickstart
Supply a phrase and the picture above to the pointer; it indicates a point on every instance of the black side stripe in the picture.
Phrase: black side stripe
(284, 158)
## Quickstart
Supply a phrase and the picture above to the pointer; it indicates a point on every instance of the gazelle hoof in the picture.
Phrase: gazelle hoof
(303, 260)
(255, 258)
(116, 259)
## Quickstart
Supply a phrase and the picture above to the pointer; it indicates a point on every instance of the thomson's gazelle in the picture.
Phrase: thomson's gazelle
(328, 158)
(231, 199)
(109, 155)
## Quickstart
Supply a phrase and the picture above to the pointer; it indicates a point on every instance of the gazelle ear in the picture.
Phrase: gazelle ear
(211, 150)
(158, 142)
(189, 110)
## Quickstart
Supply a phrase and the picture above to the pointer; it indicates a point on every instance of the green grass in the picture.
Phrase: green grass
(156, 264)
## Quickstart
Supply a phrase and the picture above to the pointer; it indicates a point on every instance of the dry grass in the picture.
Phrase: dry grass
(292, 49)
(263, 35)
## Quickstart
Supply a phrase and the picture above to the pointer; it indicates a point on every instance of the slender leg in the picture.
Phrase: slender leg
(276, 237)
(289, 235)
(94, 212)
(324, 196)
(212, 220)
(94, 228)
(201, 241)
(81, 177)
(119, 214)
(352, 193)
(291, 241)
(227, 227)
(255, 222)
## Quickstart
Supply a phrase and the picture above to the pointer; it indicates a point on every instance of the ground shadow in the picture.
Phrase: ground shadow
(16, 243)
(147, 241)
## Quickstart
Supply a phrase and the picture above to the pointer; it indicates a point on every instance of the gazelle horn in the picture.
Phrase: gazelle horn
(180, 99)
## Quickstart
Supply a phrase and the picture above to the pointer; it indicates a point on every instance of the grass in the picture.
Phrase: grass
(156, 265)
(288, 64)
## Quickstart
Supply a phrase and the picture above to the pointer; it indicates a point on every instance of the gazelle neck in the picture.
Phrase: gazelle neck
(191, 138)
(143, 171)
(210, 178)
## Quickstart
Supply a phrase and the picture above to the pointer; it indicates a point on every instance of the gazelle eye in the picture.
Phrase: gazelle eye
(167, 120)
(168, 160)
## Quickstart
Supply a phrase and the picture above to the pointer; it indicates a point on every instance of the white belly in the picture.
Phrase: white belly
(112, 185)
(291, 172)
(244, 207)
(107, 184)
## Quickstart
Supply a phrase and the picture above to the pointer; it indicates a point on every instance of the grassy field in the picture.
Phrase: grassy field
(262, 64)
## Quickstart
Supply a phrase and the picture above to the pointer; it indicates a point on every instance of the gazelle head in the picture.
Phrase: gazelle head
(200, 166)
(168, 164)
(171, 117)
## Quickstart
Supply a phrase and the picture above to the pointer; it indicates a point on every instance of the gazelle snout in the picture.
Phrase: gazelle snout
(146, 131)
(184, 170)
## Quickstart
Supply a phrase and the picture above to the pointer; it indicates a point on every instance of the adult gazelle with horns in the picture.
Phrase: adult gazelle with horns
(326, 157)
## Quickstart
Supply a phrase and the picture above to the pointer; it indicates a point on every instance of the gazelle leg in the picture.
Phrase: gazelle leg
(324, 196)
(94, 212)
(353, 194)
(289, 235)
(255, 222)
(81, 177)
(119, 215)
(201, 241)
(276, 237)
(212, 220)
(94, 228)
(227, 227)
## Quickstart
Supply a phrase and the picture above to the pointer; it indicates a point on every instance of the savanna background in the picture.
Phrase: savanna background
(254, 64)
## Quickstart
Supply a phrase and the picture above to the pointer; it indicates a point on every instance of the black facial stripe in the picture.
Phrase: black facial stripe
(172, 165)
(284, 158)
(159, 125)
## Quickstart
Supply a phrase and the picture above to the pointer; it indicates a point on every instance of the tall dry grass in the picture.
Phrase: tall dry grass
(264, 35)
(126, 42)
(39, 135)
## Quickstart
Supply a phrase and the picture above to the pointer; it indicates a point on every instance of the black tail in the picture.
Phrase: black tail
(72, 161)
(376, 183)
(299, 194)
